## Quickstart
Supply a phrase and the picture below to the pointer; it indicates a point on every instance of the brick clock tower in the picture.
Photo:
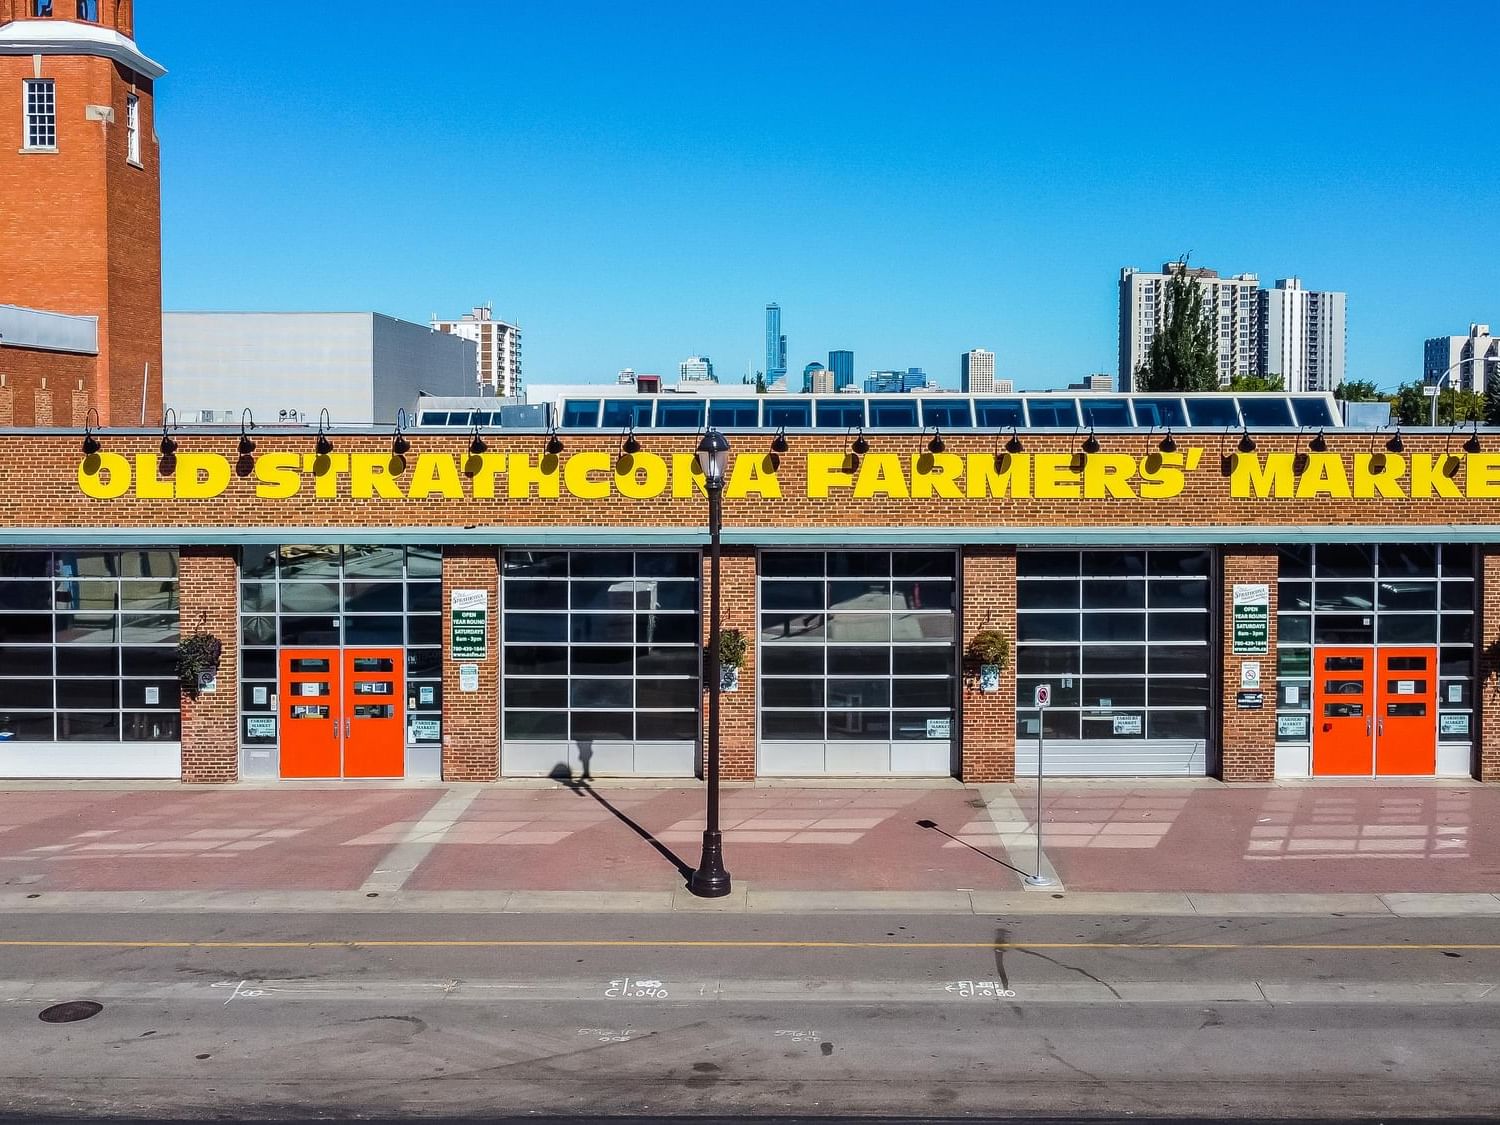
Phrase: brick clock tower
(80, 188)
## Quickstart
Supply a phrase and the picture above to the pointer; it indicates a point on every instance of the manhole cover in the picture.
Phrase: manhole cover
(70, 1012)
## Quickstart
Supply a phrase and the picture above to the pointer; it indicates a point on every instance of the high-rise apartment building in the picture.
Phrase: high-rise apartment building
(1476, 355)
(499, 370)
(775, 344)
(809, 373)
(841, 363)
(696, 369)
(978, 372)
(1300, 336)
(1232, 302)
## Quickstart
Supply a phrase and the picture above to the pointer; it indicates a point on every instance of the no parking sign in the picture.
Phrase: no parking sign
(1043, 696)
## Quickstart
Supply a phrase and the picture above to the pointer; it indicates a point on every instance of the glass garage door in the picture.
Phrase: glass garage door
(602, 663)
(1123, 638)
(858, 664)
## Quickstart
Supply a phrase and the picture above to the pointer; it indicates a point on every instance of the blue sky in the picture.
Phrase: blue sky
(633, 181)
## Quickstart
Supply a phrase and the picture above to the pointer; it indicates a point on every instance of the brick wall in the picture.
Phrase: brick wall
(471, 720)
(80, 231)
(737, 708)
(1248, 739)
(25, 370)
(1488, 687)
(987, 726)
(208, 597)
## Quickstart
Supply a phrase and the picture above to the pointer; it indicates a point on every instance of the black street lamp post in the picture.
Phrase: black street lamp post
(710, 880)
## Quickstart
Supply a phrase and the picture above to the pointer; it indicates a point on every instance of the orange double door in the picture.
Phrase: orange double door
(1374, 712)
(341, 713)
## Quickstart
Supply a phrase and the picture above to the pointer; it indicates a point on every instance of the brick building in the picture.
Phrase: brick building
(80, 229)
(1276, 597)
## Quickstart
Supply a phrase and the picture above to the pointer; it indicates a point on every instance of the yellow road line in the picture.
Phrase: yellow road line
(668, 943)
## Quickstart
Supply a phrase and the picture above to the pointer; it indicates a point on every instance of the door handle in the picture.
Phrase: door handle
(346, 728)
(1380, 726)
(1367, 726)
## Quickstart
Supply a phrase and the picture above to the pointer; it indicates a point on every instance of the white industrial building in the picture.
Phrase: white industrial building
(289, 367)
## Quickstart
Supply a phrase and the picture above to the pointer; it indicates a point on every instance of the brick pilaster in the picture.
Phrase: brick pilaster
(41, 410)
(987, 730)
(1488, 762)
(7, 402)
(471, 720)
(78, 407)
(1248, 738)
(737, 709)
(208, 597)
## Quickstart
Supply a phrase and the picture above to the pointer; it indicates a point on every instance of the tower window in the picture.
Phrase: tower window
(133, 128)
(41, 113)
(88, 10)
(41, 7)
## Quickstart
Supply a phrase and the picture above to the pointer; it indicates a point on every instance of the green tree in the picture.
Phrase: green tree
(1183, 355)
(1492, 399)
(1409, 405)
(1357, 390)
(1252, 383)
(760, 382)
(1412, 406)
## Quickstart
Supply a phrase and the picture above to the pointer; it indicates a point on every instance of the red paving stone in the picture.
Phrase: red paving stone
(1305, 839)
(774, 839)
(1127, 837)
(186, 840)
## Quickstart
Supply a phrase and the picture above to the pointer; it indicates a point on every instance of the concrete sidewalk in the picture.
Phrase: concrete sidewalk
(1191, 847)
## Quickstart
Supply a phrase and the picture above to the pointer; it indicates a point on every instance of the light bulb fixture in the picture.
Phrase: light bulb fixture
(325, 445)
(247, 423)
(860, 445)
(1319, 443)
(168, 442)
(91, 444)
(630, 447)
(1013, 445)
(554, 444)
(400, 447)
(1472, 445)
(1396, 445)
(476, 442)
(936, 445)
(713, 457)
(779, 443)
(1247, 443)
(1168, 443)
(1091, 443)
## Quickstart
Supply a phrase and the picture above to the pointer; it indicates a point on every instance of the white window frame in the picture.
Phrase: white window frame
(133, 129)
(39, 114)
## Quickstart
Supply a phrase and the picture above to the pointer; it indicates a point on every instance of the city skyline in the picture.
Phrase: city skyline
(622, 223)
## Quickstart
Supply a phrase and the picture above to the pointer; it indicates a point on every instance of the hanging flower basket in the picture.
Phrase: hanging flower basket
(988, 652)
(198, 660)
(732, 649)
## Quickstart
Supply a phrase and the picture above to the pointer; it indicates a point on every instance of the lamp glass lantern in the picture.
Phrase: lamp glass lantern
(713, 457)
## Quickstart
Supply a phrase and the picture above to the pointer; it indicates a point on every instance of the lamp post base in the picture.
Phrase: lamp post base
(710, 880)
(1039, 880)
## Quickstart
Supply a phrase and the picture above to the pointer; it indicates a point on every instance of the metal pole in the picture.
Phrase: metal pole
(710, 880)
(1037, 879)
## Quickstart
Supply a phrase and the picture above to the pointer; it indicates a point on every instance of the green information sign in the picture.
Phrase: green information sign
(1252, 619)
(470, 630)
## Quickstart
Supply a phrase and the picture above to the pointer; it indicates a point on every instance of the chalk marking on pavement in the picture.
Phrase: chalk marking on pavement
(1004, 811)
(398, 864)
(673, 943)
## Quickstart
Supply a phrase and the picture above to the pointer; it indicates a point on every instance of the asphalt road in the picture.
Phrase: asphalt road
(498, 1015)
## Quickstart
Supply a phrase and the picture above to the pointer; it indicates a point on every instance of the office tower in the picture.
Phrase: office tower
(808, 374)
(696, 369)
(775, 344)
(1232, 302)
(498, 370)
(842, 365)
(1300, 336)
(978, 372)
(1477, 354)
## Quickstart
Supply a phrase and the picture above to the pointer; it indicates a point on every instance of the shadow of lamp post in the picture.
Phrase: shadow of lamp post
(710, 880)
